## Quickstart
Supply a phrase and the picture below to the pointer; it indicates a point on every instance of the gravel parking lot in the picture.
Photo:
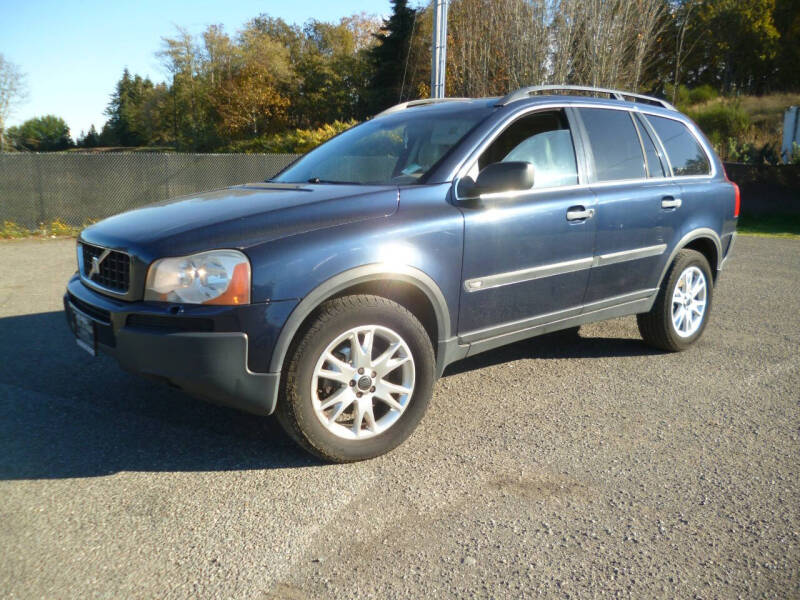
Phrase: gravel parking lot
(572, 465)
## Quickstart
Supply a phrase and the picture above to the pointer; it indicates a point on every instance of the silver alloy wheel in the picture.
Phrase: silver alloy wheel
(689, 302)
(362, 382)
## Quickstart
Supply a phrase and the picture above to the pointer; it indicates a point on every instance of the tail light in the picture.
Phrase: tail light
(737, 194)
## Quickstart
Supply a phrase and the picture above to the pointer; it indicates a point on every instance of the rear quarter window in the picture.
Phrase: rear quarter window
(683, 150)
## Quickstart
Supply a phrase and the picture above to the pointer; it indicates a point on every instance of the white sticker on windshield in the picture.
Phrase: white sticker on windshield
(411, 169)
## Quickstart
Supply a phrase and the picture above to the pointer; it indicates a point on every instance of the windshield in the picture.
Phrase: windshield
(397, 149)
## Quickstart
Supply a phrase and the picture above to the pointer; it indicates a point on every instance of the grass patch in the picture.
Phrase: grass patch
(785, 226)
(55, 229)
(126, 149)
(11, 231)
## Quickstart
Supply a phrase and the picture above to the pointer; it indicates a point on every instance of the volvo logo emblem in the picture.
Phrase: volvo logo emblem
(96, 261)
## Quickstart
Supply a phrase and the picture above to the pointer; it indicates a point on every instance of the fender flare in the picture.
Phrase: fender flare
(694, 234)
(355, 276)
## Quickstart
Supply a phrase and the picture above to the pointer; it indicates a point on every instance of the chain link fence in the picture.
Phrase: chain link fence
(77, 188)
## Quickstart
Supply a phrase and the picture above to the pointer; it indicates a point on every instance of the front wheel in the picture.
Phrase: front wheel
(683, 305)
(359, 379)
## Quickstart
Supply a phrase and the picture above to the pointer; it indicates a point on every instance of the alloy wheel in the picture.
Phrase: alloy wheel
(689, 302)
(363, 382)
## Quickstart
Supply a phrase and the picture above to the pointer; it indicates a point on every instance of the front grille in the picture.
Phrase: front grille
(113, 271)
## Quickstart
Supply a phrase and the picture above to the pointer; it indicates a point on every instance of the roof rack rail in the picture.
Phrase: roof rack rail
(525, 92)
(422, 102)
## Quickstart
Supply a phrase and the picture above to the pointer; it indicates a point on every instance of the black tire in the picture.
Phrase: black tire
(295, 411)
(656, 326)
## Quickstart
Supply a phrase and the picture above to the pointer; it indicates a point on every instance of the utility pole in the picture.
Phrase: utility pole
(439, 53)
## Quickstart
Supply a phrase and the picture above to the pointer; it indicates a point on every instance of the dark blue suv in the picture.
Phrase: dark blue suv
(337, 292)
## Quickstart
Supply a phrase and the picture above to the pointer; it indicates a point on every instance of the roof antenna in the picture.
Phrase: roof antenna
(408, 53)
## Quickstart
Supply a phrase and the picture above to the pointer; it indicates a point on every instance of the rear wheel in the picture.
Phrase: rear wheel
(359, 379)
(683, 304)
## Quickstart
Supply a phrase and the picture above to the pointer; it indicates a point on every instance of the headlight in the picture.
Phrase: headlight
(215, 277)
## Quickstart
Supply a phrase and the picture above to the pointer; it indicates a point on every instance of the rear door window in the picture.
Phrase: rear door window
(614, 144)
(685, 153)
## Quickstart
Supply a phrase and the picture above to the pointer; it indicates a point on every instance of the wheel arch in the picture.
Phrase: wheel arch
(703, 240)
(424, 298)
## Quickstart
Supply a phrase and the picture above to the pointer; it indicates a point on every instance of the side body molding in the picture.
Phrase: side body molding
(702, 232)
(355, 276)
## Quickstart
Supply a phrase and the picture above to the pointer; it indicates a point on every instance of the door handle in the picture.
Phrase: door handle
(579, 213)
(670, 202)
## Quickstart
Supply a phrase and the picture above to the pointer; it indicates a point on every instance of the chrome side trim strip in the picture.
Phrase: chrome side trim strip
(488, 282)
(499, 279)
(617, 257)
(614, 300)
(512, 327)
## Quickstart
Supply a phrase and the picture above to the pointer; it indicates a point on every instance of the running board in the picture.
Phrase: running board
(488, 339)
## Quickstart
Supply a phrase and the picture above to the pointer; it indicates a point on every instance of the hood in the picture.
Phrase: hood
(239, 217)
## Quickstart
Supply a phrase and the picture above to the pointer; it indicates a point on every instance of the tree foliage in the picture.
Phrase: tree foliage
(90, 139)
(41, 134)
(129, 123)
(12, 91)
(390, 58)
(269, 77)
(246, 90)
(735, 44)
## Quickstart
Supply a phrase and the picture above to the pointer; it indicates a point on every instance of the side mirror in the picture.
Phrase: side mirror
(498, 177)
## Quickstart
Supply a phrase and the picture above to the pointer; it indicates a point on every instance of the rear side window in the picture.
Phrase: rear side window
(683, 150)
(614, 144)
(542, 139)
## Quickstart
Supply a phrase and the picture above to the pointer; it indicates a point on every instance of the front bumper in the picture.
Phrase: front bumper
(205, 351)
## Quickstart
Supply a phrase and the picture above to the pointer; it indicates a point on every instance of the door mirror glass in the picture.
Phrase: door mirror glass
(513, 176)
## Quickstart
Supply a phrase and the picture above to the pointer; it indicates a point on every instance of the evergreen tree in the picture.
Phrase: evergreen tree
(389, 59)
(125, 123)
(90, 140)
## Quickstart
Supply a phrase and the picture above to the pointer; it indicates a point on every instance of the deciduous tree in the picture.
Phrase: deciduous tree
(41, 134)
(12, 92)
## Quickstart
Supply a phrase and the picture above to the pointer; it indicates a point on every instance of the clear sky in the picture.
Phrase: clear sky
(73, 51)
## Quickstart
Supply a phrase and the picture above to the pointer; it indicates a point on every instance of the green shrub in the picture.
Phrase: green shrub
(745, 152)
(721, 121)
(298, 141)
(57, 228)
(11, 230)
(702, 94)
(794, 157)
(60, 229)
(680, 98)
